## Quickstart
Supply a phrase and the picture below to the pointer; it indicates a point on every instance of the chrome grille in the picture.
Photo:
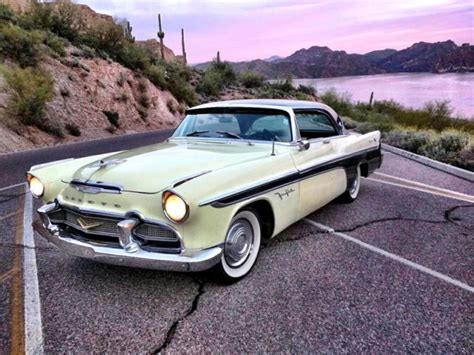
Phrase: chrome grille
(92, 225)
(96, 228)
(155, 232)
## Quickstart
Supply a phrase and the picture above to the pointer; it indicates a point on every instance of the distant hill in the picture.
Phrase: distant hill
(323, 62)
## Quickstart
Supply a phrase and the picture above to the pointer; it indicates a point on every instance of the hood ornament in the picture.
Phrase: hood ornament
(105, 163)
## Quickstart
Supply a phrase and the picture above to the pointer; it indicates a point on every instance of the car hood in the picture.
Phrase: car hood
(154, 168)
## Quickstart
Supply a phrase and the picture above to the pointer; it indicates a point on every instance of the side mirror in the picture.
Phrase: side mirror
(303, 145)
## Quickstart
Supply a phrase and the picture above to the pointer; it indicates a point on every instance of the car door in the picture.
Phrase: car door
(321, 180)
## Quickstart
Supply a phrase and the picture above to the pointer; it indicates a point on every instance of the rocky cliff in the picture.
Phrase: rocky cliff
(100, 97)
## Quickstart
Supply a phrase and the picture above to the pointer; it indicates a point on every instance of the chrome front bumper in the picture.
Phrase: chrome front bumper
(187, 261)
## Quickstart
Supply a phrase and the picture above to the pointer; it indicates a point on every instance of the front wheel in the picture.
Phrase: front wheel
(241, 247)
(351, 194)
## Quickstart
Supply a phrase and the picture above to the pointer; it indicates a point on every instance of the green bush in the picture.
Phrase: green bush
(6, 14)
(446, 147)
(57, 44)
(31, 89)
(413, 141)
(307, 89)
(107, 37)
(251, 79)
(133, 56)
(157, 75)
(20, 45)
(339, 102)
(216, 77)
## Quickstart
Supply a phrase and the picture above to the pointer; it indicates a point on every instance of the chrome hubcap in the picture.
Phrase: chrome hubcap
(238, 243)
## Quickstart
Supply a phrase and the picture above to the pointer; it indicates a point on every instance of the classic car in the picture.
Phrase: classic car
(232, 174)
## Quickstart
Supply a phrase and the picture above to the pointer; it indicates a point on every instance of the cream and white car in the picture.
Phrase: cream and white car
(233, 173)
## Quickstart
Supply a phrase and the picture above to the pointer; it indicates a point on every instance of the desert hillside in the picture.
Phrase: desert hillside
(69, 74)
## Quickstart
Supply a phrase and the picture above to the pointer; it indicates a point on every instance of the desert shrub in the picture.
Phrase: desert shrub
(349, 123)
(171, 106)
(53, 127)
(132, 56)
(157, 75)
(121, 79)
(283, 85)
(339, 102)
(210, 84)
(142, 113)
(446, 146)
(31, 89)
(307, 89)
(113, 118)
(6, 14)
(63, 18)
(143, 100)
(73, 129)
(57, 44)
(216, 77)
(251, 79)
(87, 52)
(439, 113)
(142, 85)
(411, 140)
(104, 36)
(177, 82)
(20, 45)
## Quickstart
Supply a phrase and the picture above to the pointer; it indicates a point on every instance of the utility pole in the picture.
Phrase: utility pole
(161, 35)
(185, 60)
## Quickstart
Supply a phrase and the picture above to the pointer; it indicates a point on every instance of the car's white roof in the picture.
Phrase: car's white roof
(269, 103)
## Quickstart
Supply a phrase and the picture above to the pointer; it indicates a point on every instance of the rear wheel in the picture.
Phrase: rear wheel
(351, 194)
(241, 247)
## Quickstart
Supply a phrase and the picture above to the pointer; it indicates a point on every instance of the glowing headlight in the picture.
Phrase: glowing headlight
(174, 207)
(36, 186)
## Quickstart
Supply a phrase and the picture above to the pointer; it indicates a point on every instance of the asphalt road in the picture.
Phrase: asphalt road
(311, 291)
(13, 166)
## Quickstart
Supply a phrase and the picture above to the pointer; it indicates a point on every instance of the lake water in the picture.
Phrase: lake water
(411, 90)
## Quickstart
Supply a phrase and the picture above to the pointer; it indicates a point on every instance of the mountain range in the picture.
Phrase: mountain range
(323, 62)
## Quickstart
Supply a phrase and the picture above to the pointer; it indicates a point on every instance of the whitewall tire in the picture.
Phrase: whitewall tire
(241, 246)
(353, 191)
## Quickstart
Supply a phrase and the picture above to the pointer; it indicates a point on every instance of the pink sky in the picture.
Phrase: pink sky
(250, 29)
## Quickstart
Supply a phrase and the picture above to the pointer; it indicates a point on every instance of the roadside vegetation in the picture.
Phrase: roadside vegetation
(220, 79)
(431, 131)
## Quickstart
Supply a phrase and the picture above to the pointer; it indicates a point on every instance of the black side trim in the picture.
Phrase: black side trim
(349, 163)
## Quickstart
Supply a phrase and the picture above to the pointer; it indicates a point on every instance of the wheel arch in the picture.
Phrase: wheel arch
(266, 216)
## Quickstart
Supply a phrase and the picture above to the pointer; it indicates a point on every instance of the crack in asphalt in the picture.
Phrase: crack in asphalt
(449, 211)
(172, 330)
(389, 219)
(18, 246)
(447, 219)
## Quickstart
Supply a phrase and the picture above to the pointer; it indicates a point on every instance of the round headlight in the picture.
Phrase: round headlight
(36, 186)
(174, 207)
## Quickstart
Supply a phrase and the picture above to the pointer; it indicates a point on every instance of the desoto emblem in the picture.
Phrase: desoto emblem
(88, 226)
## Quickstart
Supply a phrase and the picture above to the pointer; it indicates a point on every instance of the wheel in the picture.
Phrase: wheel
(353, 191)
(241, 247)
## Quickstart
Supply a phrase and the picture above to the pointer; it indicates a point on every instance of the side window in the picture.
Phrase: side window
(315, 125)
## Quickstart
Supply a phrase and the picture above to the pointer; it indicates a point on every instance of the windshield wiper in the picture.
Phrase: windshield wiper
(233, 135)
(195, 133)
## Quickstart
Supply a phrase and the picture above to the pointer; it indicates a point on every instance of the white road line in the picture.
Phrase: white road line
(395, 257)
(432, 190)
(12, 186)
(33, 327)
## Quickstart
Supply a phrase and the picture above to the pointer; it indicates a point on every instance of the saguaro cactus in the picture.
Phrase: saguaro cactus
(127, 31)
(161, 36)
(185, 60)
(218, 58)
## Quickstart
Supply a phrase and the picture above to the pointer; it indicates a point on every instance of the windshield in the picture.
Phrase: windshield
(264, 125)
